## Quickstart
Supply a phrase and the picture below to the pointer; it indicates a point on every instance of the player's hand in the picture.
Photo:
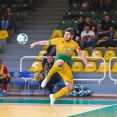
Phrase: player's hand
(89, 66)
(32, 45)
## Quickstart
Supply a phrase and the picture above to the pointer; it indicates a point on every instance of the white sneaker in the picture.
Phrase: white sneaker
(44, 82)
(52, 100)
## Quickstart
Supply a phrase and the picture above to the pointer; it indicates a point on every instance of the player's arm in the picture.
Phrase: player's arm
(81, 54)
(39, 43)
(79, 51)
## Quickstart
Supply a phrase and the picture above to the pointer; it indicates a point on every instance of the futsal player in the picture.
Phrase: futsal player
(64, 49)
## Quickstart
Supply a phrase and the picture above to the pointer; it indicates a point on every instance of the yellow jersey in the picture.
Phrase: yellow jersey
(64, 49)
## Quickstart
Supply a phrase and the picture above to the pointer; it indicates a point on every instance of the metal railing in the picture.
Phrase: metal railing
(110, 61)
(99, 80)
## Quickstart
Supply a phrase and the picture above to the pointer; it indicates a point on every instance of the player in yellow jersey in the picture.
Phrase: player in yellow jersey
(64, 49)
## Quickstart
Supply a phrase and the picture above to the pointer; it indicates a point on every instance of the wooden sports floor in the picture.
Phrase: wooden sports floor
(37, 106)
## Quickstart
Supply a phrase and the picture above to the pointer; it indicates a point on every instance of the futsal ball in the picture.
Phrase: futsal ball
(22, 38)
(85, 92)
(81, 93)
(76, 88)
(89, 93)
(74, 93)
(82, 88)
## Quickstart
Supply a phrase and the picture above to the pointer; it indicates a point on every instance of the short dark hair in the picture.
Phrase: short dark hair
(87, 25)
(0, 60)
(50, 55)
(87, 16)
(71, 30)
(81, 16)
(107, 15)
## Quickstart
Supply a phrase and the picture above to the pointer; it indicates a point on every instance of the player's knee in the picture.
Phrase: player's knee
(60, 63)
(69, 87)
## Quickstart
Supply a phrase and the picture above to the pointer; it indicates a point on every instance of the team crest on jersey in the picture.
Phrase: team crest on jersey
(68, 49)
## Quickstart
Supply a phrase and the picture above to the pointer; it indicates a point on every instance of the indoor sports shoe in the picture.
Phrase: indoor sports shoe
(44, 82)
(3, 94)
(52, 100)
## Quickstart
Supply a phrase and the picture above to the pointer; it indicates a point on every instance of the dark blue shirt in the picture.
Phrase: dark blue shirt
(106, 25)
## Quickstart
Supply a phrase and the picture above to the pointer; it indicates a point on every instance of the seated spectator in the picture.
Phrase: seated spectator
(1, 15)
(85, 6)
(10, 2)
(87, 38)
(4, 78)
(105, 3)
(55, 77)
(31, 7)
(79, 28)
(8, 20)
(107, 28)
(7, 1)
(95, 4)
(115, 26)
(91, 24)
(50, 50)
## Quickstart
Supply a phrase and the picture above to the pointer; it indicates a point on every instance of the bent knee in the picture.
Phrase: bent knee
(69, 87)
(60, 63)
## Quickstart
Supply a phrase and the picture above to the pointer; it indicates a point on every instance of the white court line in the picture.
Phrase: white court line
(92, 110)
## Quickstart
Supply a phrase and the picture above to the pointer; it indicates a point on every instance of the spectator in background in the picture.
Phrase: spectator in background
(7, 1)
(50, 50)
(1, 15)
(105, 3)
(91, 24)
(95, 4)
(8, 20)
(87, 38)
(115, 26)
(4, 78)
(55, 77)
(79, 28)
(85, 6)
(107, 28)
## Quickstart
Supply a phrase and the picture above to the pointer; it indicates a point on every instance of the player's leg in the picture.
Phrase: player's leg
(66, 74)
(51, 82)
(55, 68)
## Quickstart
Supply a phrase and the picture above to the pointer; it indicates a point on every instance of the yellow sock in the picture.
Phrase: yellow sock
(60, 93)
(54, 69)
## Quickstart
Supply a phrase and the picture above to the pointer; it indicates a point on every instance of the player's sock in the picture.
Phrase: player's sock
(60, 93)
(44, 82)
(52, 100)
(54, 69)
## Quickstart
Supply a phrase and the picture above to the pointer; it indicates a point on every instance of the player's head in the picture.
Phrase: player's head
(0, 63)
(50, 58)
(69, 33)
